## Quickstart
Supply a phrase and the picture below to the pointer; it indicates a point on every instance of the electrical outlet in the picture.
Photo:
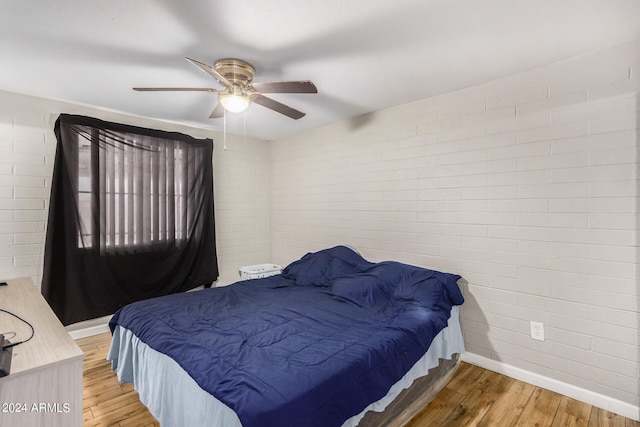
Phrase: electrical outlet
(537, 330)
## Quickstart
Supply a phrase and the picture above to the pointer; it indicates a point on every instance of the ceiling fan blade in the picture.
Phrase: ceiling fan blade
(277, 106)
(217, 112)
(177, 89)
(300, 86)
(211, 71)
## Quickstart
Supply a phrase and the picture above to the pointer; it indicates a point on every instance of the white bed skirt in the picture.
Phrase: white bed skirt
(176, 400)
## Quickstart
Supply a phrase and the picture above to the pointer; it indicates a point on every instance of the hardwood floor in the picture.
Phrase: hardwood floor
(474, 397)
(107, 402)
(478, 397)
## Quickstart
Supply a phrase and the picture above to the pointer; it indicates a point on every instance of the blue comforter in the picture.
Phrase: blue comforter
(310, 347)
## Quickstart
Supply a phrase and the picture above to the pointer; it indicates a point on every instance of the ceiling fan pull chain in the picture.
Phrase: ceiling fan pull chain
(224, 130)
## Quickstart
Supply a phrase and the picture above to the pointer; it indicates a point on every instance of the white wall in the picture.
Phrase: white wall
(27, 149)
(526, 186)
(242, 205)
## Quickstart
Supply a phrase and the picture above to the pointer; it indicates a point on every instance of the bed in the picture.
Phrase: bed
(330, 341)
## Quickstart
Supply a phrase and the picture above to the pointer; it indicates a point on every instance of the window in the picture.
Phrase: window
(138, 186)
(130, 217)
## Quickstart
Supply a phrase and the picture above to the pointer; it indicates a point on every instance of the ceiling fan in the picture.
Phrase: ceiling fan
(240, 90)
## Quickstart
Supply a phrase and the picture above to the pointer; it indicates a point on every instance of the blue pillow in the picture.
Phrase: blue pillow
(318, 268)
(427, 292)
(435, 291)
(310, 270)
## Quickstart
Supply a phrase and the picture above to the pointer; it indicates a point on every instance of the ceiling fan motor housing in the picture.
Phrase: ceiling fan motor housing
(236, 71)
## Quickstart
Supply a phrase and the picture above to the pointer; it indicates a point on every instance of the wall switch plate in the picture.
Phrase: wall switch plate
(537, 331)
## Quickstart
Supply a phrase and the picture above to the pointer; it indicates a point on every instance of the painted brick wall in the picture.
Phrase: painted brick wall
(27, 149)
(242, 205)
(526, 186)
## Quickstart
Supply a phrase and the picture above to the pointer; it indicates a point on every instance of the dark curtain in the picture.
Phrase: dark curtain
(130, 217)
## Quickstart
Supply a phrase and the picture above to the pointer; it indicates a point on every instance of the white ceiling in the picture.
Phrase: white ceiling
(363, 55)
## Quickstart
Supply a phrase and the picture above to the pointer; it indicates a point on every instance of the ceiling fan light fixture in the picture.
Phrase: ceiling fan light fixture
(234, 103)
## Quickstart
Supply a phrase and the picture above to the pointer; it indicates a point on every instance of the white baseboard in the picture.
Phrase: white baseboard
(592, 398)
(90, 331)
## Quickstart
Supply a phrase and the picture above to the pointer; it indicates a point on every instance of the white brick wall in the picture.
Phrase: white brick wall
(241, 176)
(26, 144)
(526, 186)
(27, 149)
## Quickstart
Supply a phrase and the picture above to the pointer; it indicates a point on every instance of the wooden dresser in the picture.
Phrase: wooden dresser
(44, 387)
